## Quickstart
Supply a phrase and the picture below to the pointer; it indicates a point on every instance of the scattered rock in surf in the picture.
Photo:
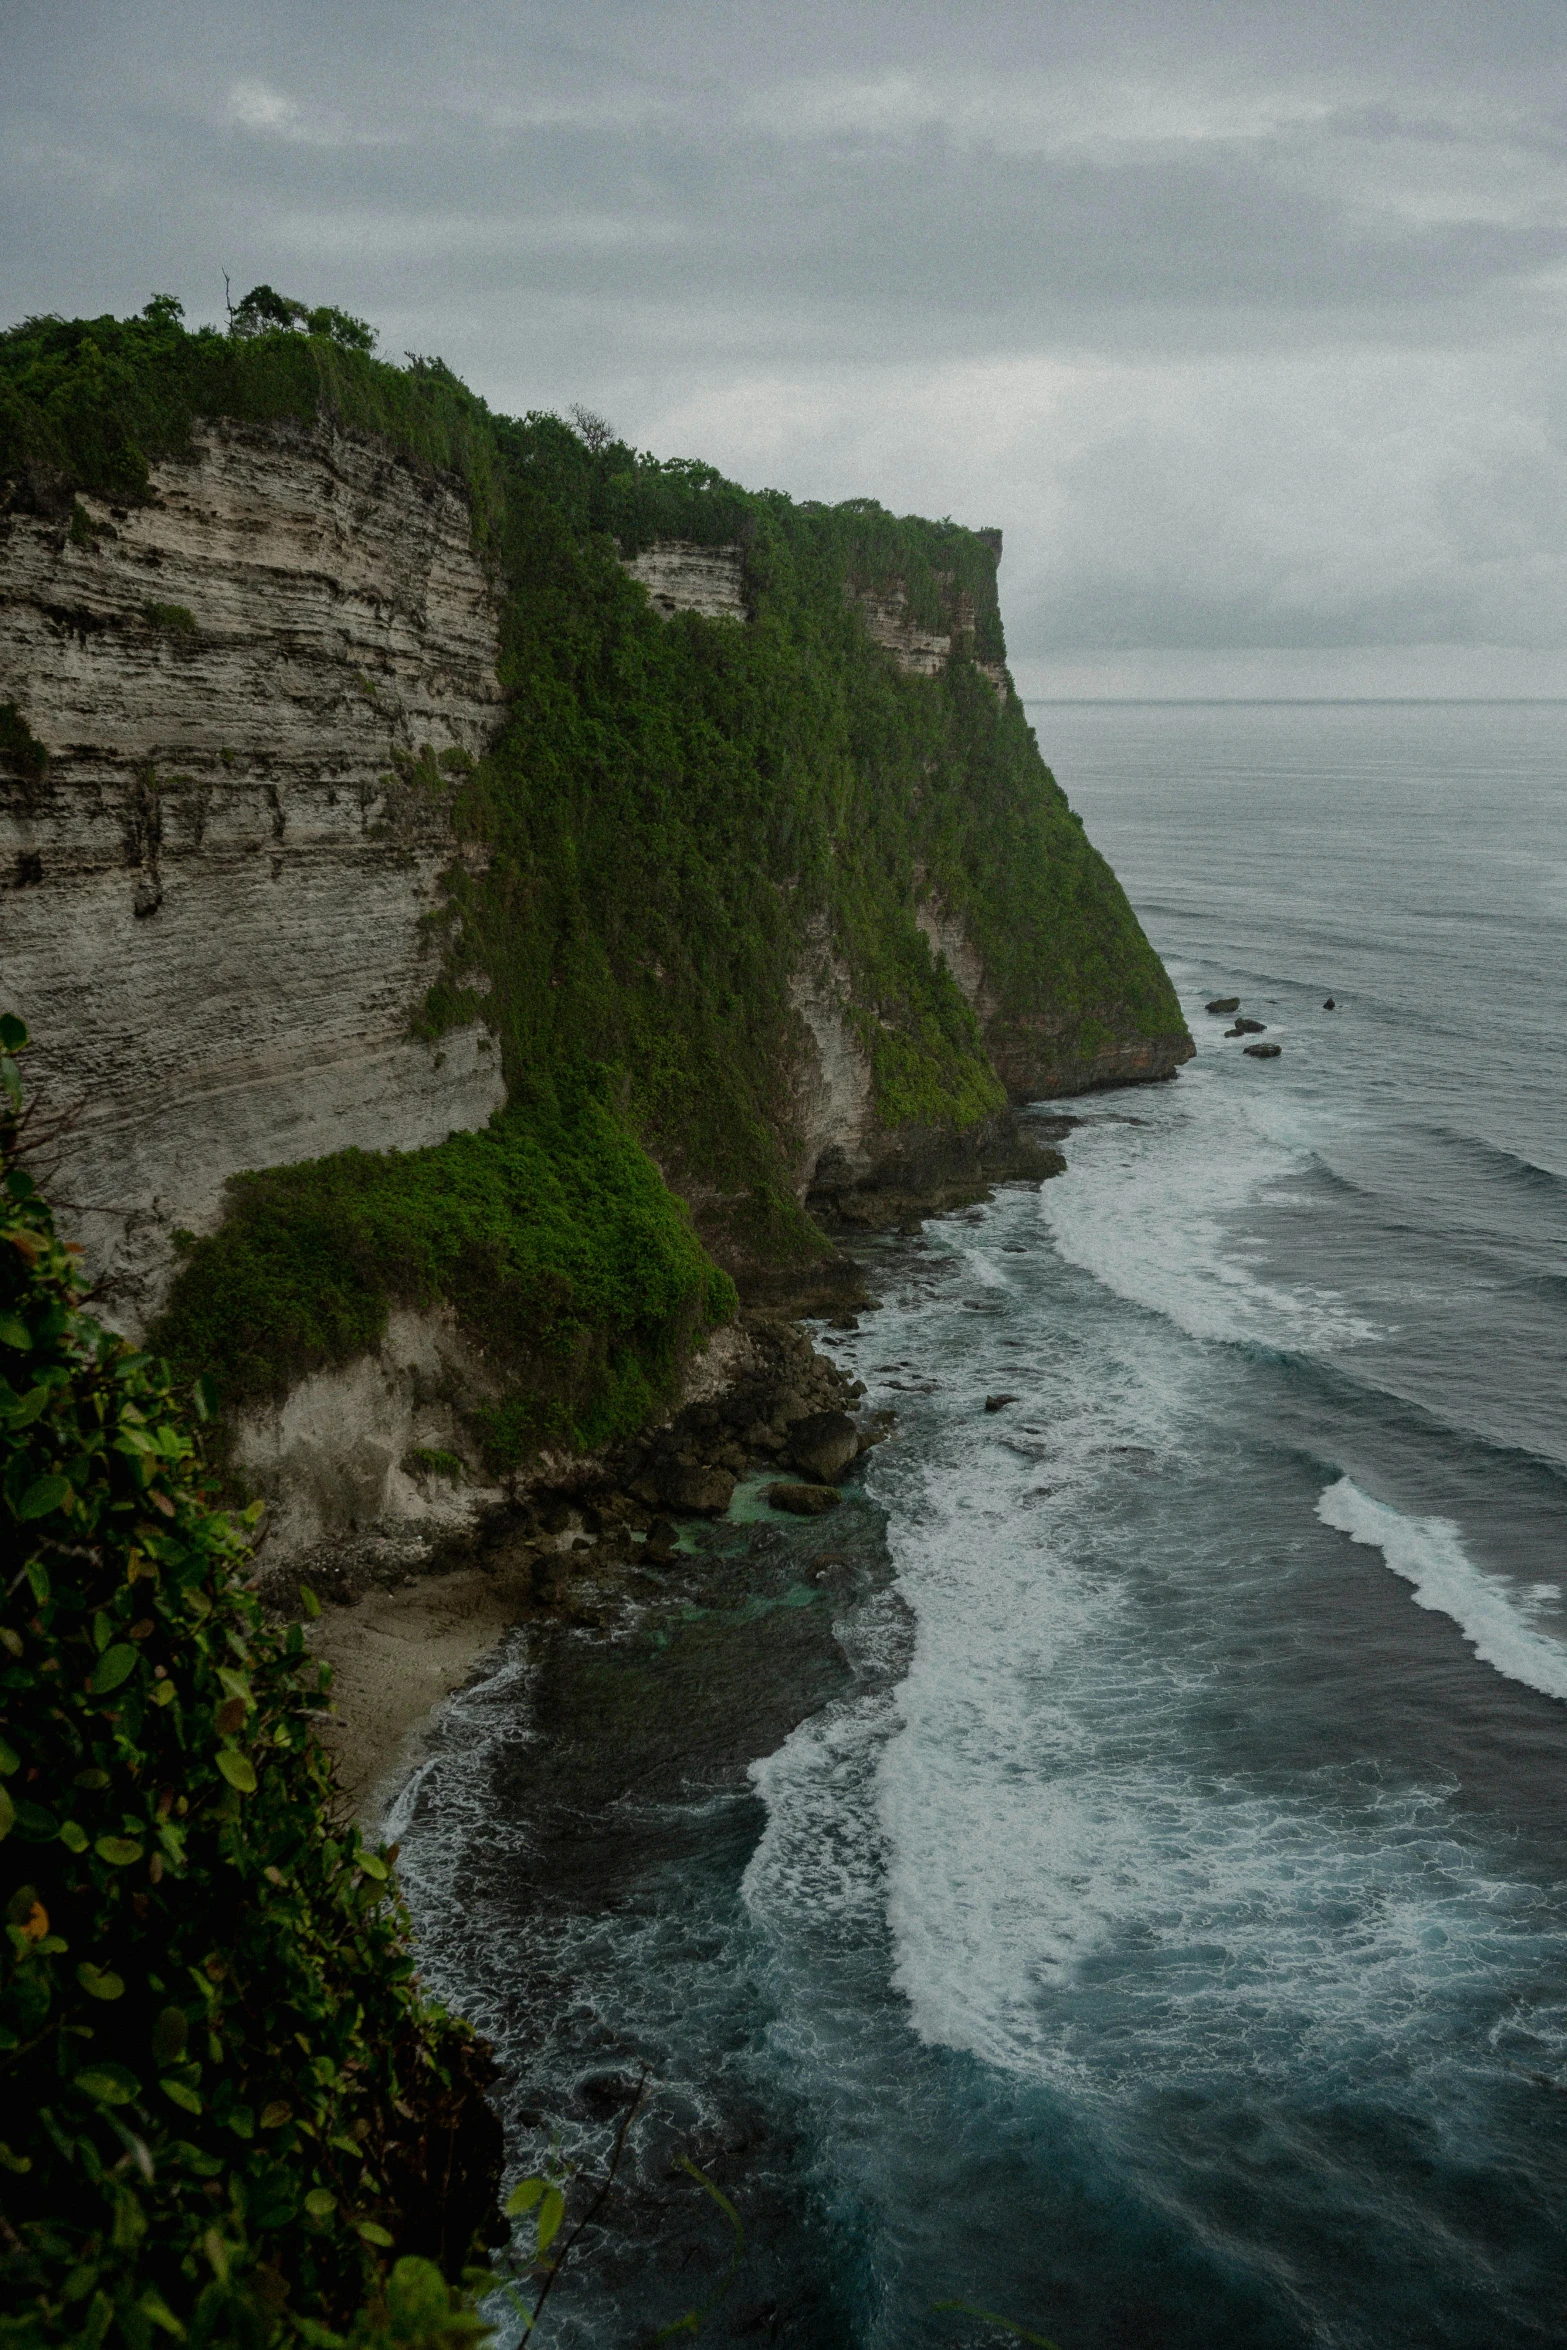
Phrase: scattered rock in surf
(823, 1446)
(1329, 1005)
(998, 1403)
(701, 1491)
(1225, 1003)
(1263, 1052)
(1248, 1027)
(804, 1501)
(660, 1543)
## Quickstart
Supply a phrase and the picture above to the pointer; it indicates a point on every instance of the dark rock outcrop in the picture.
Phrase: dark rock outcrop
(804, 1501)
(824, 1446)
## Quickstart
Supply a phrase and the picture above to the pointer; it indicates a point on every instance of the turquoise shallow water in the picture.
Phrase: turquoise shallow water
(1124, 1885)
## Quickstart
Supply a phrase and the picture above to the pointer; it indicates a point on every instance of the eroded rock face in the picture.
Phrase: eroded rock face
(377, 1442)
(681, 576)
(920, 651)
(210, 900)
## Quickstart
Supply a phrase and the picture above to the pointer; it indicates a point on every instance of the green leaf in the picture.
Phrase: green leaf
(72, 1837)
(114, 1666)
(31, 1407)
(373, 2234)
(308, 1600)
(10, 1760)
(552, 2210)
(98, 1983)
(169, 2035)
(14, 1332)
(35, 1823)
(320, 2203)
(152, 2305)
(118, 1851)
(110, 2084)
(13, 1032)
(374, 1867)
(238, 1769)
(7, 1815)
(182, 2095)
(42, 1496)
(523, 2197)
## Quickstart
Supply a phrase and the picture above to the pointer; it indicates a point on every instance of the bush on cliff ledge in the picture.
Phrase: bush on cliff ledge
(568, 1260)
(227, 2106)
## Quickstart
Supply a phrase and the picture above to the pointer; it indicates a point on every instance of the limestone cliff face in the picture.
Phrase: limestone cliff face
(211, 897)
(681, 576)
(920, 651)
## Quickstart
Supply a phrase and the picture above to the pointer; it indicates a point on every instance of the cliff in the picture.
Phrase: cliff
(435, 850)
(217, 880)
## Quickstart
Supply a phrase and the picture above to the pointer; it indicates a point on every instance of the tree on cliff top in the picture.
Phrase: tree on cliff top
(228, 2106)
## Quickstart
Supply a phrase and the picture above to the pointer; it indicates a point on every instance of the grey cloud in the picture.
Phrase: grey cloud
(746, 217)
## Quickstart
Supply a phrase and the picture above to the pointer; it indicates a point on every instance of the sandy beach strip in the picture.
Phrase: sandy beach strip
(396, 1657)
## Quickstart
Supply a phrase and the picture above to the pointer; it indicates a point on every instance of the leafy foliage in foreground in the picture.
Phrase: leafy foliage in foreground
(227, 2105)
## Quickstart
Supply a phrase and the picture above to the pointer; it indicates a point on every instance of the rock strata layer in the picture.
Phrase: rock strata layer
(211, 895)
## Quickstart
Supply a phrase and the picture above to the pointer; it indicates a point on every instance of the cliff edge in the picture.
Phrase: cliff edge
(473, 893)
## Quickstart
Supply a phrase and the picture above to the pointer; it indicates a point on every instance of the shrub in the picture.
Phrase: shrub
(226, 2098)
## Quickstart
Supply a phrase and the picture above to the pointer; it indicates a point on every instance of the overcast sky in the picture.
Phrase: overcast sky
(1244, 322)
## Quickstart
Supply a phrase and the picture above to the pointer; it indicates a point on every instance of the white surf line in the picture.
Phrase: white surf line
(1428, 1553)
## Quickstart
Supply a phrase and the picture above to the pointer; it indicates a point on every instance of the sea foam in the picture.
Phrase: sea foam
(1488, 1609)
(1164, 1226)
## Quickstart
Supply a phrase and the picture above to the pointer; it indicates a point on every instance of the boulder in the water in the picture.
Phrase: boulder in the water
(804, 1501)
(998, 1403)
(701, 1490)
(1250, 1027)
(1330, 1005)
(1263, 1052)
(823, 1446)
(1225, 1003)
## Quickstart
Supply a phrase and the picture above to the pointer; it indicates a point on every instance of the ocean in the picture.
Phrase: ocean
(1113, 1874)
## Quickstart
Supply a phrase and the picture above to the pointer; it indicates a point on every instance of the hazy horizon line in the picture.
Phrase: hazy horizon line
(1290, 701)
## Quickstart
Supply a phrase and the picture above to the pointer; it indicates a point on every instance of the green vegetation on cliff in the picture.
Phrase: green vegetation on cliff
(563, 1253)
(225, 2103)
(679, 818)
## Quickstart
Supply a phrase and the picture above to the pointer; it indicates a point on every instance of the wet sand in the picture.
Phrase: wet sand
(398, 1655)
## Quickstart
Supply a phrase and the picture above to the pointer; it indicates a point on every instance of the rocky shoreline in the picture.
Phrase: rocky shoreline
(409, 1610)
(407, 1615)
